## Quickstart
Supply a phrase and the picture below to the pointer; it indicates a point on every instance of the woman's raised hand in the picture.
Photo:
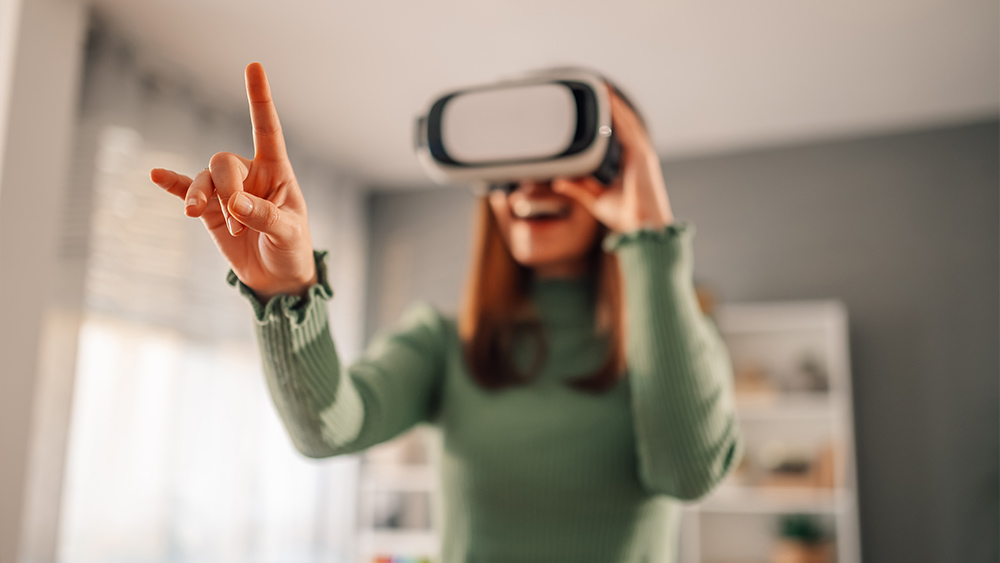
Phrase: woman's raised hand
(638, 199)
(253, 209)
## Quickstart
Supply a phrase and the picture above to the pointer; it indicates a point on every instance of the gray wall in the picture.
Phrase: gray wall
(903, 228)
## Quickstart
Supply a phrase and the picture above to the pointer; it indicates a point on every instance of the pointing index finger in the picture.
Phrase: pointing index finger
(268, 141)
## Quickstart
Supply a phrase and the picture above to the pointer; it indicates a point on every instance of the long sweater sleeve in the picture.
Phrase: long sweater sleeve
(687, 437)
(329, 409)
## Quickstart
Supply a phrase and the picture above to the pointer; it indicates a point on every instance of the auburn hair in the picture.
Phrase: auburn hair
(498, 311)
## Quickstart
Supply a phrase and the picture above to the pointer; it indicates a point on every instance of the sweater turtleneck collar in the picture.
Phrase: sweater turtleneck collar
(565, 301)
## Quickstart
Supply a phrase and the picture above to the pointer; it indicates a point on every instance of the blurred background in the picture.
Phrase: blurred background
(840, 161)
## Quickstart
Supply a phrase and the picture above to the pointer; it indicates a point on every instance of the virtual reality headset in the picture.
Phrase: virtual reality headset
(537, 127)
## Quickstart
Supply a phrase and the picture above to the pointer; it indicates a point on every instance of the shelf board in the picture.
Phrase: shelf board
(384, 477)
(773, 500)
(784, 316)
(414, 543)
(785, 406)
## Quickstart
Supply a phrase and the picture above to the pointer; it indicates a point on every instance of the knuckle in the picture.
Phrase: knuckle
(201, 183)
(271, 217)
(221, 158)
(271, 129)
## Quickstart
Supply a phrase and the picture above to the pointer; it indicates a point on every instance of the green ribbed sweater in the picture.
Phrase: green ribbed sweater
(540, 472)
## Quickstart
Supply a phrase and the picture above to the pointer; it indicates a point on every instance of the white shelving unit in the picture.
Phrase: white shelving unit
(792, 366)
(399, 514)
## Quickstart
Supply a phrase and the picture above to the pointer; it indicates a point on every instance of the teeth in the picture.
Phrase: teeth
(528, 209)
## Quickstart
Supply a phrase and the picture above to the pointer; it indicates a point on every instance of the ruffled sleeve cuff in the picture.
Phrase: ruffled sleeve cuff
(294, 308)
(676, 230)
(646, 255)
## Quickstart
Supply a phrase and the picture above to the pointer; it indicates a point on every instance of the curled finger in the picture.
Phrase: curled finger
(198, 194)
(627, 126)
(228, 173)
(584, 190)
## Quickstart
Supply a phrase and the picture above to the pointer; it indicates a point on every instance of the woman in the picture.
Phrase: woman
(581, 394)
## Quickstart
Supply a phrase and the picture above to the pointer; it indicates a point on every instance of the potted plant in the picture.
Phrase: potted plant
(802, 540)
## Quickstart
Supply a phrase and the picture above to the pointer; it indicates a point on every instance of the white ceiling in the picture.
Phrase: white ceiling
(349, 76)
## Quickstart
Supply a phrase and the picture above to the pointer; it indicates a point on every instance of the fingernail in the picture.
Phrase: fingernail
(191, 202)
(235, 227)
(242, 204)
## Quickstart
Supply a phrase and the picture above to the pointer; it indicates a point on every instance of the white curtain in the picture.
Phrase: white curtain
(175, 451)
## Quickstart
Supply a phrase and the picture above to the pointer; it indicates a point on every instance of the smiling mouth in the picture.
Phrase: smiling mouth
(540, 209)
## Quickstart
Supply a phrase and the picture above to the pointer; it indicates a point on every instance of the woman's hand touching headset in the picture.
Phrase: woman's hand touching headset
(638, 198)
(253, 209)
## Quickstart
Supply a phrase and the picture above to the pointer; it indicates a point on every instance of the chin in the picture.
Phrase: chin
(532, 261)
(554, 244)
(550, 260)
